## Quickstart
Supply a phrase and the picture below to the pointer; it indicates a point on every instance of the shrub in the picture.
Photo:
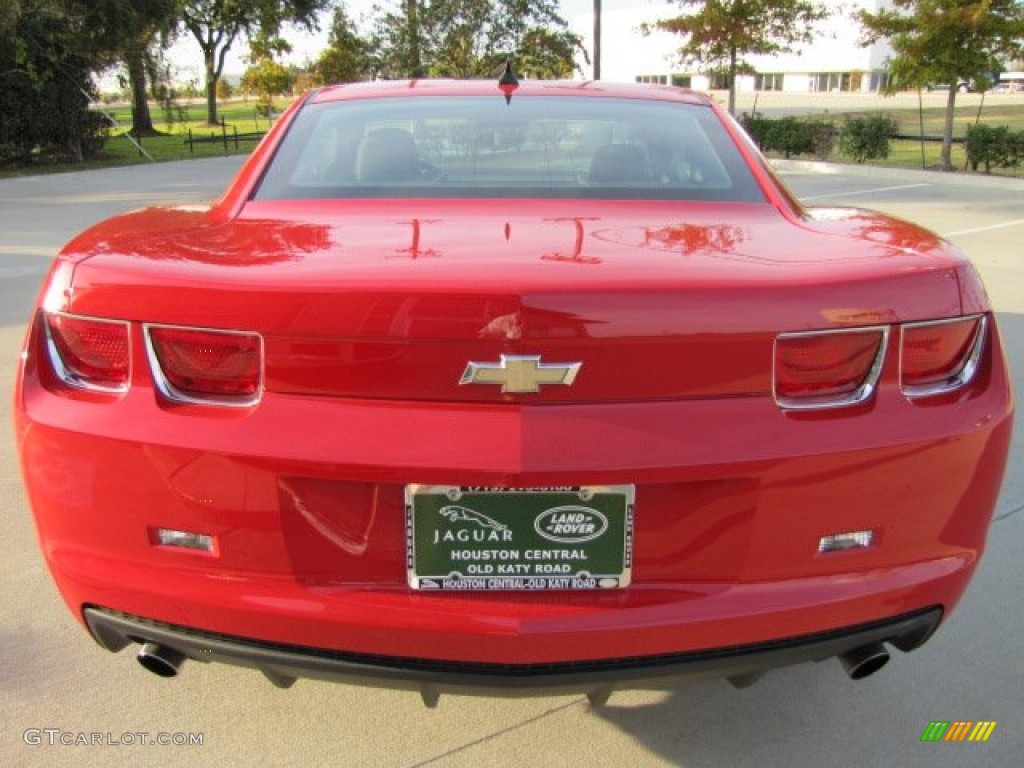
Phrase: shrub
(757, 126)
(790, 135)
(867, 138)
(823, 136)
(95, 132)
(994, 145)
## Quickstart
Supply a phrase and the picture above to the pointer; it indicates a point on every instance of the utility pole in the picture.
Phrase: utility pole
(597, 39)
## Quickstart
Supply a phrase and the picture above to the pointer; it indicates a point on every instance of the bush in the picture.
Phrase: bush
(994, 145)
(757, 126)
(790, 135)
(823, 137)
(95, 132)
(867, 138)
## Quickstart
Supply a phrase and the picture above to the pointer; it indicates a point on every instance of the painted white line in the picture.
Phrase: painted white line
(864, 191)
(1004, 225)
(29, 250)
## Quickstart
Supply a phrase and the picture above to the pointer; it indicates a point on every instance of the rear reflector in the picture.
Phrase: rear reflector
(195, 365)
(89, 353)
(940, 356)
(827, 369)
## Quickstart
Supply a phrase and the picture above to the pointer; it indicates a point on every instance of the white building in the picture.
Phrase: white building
(835, 60)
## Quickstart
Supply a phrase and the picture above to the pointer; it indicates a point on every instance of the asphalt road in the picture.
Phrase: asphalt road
(53, 677)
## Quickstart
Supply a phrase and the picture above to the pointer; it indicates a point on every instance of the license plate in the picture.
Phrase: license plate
(470, 538)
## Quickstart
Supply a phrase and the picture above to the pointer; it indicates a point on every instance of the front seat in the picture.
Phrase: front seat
(387, 154)
(619, 164)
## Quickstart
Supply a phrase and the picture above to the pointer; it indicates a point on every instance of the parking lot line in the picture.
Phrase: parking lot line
(973, 230)
(864, 191)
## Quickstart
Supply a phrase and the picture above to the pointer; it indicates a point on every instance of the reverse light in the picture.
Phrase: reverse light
(212, 367)
(940, 356)
(842, 542)
(828, 369)
(89, 353)
(167, 537)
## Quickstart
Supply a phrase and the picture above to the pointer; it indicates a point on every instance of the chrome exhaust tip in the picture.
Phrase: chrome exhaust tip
(161, 660)
(864, 661)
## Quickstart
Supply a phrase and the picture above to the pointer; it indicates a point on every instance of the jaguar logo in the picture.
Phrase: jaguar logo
(486, 528)
(571, 524)
(455, 512)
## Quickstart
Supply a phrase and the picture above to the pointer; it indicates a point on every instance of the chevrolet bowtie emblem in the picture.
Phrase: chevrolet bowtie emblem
(520, 373)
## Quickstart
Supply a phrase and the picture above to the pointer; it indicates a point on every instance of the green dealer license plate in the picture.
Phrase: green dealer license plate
(470, 538)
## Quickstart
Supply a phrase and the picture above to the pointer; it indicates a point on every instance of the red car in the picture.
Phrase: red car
(553, 388)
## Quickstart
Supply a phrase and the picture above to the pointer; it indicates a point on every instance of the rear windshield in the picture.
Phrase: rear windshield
(539, 147)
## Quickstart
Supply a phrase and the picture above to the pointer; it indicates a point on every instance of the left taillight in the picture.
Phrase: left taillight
(204, 366)
(89, 353)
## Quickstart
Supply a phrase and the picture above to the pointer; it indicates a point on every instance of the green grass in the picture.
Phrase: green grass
(170, 144)
(238, 117)
(909, 120)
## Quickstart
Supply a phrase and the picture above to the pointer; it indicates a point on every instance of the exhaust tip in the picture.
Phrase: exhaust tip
(161, 660)
(864, 660)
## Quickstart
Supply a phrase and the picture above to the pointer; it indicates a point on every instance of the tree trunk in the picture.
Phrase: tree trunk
(142, 120)
(732, 82)
(209, 58)
(413, 21)
(946, 160)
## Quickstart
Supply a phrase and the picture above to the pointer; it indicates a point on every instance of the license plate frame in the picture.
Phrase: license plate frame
(470, 538)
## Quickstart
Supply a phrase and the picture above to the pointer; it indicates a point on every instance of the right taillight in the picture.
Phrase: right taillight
(89, 353)
(940, 356)
(828, 369)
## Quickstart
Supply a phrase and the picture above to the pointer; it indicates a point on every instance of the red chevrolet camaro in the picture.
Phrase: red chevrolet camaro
(546, 388)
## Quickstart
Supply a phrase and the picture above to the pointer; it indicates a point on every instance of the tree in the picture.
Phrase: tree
(128, 28)
(347, 57)
(217, 24)
(474, 38)
(267, 79)
(47, 58)
(545, 54)
(946, 41)
(720, 33)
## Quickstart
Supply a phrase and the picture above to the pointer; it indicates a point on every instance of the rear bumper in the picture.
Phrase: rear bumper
(282, 664)
(304, 498)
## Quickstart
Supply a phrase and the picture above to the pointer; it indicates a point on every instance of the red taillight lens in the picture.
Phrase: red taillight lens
(828, 368)
(204, 366)
(940, 356)
(88, 352)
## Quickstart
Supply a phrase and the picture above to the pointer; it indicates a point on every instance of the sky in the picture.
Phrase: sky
(187, 58)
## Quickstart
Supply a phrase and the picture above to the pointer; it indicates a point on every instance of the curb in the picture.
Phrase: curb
(953, 179)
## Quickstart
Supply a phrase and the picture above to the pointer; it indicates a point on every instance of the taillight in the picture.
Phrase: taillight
(196, 365)
(940, 356)
(827, 369)
(89, 353)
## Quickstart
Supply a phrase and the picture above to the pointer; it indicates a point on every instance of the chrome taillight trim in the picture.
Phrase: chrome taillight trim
(967, 371)
(860, 395)
(64, 373)
(171, 393)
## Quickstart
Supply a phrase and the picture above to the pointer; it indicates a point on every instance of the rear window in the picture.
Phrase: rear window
(543, 147)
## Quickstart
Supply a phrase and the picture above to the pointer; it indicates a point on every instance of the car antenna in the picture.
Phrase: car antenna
(508, 82)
